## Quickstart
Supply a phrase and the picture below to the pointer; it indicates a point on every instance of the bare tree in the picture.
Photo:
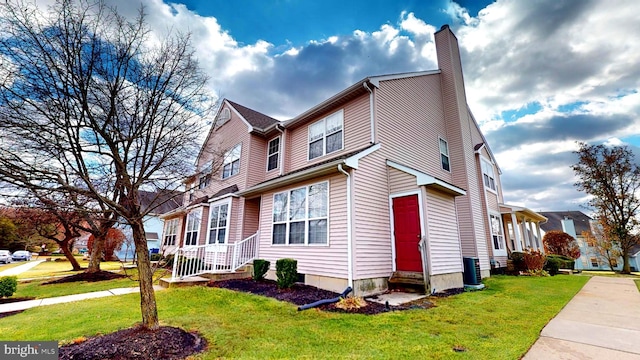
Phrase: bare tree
(94, 106)
(612, 177)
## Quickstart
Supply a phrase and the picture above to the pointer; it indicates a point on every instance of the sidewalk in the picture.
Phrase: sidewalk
(23, 305)
(601, 322)
(20, 268)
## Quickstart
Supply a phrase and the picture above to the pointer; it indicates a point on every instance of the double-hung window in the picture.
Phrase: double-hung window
(170, 232)
(444, 155)
(326, 135)
(497, 233)
(273, 154)
(231, 164)
(218, 222)
(300, 216)
(488, 175)
(193, 225)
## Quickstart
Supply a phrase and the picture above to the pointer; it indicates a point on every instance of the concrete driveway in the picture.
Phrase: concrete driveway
(601, 322)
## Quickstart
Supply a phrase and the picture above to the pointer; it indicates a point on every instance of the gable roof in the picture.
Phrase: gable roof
(554, 222)
(256, 119)
(161, 201)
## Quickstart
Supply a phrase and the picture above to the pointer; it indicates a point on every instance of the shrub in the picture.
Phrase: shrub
(155, 257)
(260, 268)
(518, 261)
(167, 261)
(534, 260)
(286, 272)
(552, 265)
(8, 285)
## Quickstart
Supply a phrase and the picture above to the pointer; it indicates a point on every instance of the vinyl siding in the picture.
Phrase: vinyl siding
(442, 234)
(356, 132)
(400, 181)
(372, 227)
(409, 118)
(463, 160)
(327, 260)
(251, 218)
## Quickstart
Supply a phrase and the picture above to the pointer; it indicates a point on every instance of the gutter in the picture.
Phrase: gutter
(349, 228)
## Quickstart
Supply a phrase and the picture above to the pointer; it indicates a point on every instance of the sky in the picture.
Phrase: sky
(540, 76)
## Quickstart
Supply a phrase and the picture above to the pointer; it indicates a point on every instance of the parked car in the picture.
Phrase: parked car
(21, 255)
(5, 256)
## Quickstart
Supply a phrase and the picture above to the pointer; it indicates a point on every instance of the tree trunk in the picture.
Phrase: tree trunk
(64, 245)
(96, 254)
(148, 305)
(626, 267)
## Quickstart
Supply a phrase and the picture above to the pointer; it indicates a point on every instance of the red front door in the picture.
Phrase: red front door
(406, 221)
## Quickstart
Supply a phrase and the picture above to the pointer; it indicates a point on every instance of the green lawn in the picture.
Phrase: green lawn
(637, 284)
(633, 275)
(62, 268)
(500, 322)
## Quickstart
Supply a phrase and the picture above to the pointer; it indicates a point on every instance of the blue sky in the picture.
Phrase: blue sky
(539, 75)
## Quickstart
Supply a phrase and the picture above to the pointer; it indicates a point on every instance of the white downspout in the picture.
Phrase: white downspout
(349, 228)
(282, 146)
(371, 117)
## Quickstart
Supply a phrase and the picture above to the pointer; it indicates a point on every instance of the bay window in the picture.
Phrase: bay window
(193, 225)
(218, 224)
(170, 231)
(497, 233)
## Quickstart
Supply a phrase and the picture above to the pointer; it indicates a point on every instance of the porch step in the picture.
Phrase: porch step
(188, 281)
(239, 274)
(407, 281)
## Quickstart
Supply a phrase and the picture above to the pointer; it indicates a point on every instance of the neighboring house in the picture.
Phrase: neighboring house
(160, 201)
(575, 223)
(353, 186)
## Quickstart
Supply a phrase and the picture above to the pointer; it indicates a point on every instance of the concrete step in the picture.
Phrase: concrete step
(240, 274)
(188, 281)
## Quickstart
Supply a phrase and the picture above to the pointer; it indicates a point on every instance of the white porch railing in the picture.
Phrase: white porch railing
(214, 258)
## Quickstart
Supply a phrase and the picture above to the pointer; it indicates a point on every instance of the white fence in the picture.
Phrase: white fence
(214, 258)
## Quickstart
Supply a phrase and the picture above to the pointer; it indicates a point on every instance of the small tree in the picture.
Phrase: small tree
(560, 243)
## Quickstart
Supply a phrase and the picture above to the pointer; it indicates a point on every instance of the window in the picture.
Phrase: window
(594, 262)
(170, 232)
(444, 155)
(488, 175)
(193, 224)
(218, 216)
(273, 154)
(300, 215)
(204, 181)
(496, 232)
(231, 164)
(192, 189)
(325, 136)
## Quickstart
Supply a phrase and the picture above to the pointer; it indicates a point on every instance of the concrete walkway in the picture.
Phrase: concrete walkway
(23, 305)
(20, 268)
(601, 322)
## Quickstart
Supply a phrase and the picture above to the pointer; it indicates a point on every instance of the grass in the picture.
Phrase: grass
(62, 268)
(633, 275)
(500, 322)
(37, 290)
(637, 281)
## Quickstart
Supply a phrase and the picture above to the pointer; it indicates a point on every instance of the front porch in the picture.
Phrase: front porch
(523, 228)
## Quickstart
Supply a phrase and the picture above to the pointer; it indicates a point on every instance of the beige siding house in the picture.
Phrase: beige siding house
(389, 177)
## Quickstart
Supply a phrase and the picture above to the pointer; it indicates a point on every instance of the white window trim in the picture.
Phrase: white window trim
(503, 251)
(306, 219)
(487, 162)
(186, 228)
(448, 154)
(211, 206)
(324, 136)
(278, 153)
(172, 223)
(423, 233)
(226, 161)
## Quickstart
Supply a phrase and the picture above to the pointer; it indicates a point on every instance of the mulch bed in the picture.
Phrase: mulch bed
(137, 344)
(85, 276)
(301, 294)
